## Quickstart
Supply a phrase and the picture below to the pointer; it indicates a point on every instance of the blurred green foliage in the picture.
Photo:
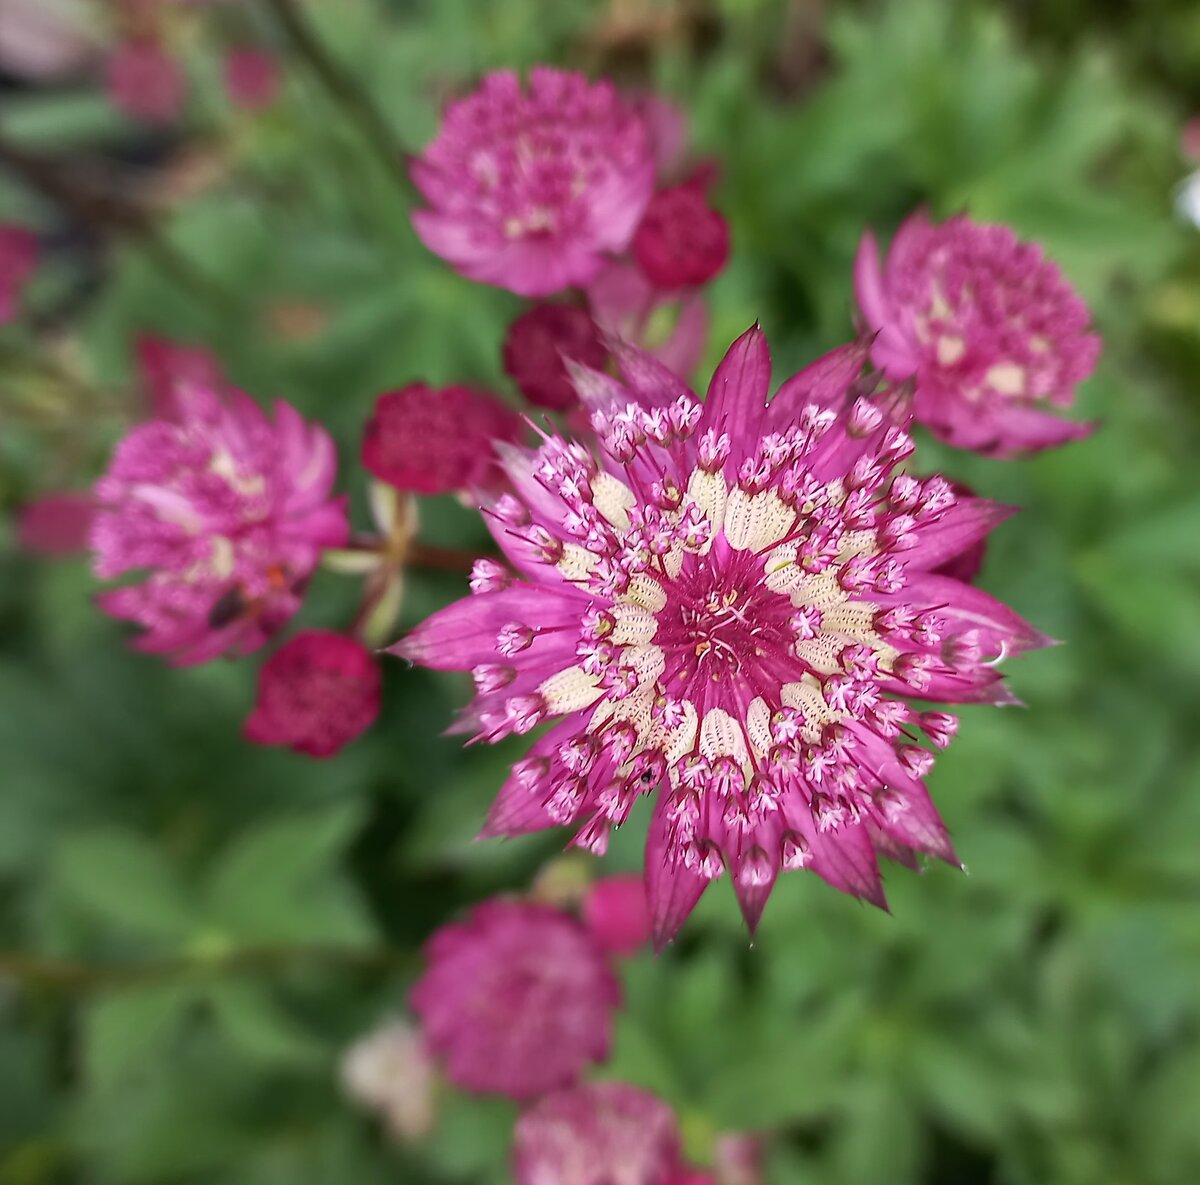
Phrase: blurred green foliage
(205, 925)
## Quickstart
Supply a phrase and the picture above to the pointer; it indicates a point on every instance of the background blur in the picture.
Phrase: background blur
(204, 926)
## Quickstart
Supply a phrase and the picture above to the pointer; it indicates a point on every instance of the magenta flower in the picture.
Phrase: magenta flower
(730, 604)
(991, 330)
(165, 367)
(434, 441)
(18, 262)
(56, 524)
(529, 189)
(536, 345)
(682, 241)
(251, 79)
(227, 511)
(614, 910)
(145, 82)
(600, 1133)
(517, 998)
(316, 693)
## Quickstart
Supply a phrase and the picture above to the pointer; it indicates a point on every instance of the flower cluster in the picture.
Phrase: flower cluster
(987, 326)
(729, 606)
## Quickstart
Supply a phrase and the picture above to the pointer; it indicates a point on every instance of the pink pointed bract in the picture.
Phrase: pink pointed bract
(993, 334)
(316, 693)
(429, 440)
(529, 188)
(517, 999)
(601, 1133)
(18, 262)
(226, 511)
(165, 367)
(728, 607)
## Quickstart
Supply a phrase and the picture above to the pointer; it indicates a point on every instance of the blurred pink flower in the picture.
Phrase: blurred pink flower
(228, 513)
(56, 524)
(731, 604)
(165, 367)
(600, 1133)
(430, 440)
(987, 325)
(46, 39)
(316, 693)
(681, 241)
(614, 910)
(517, 999)
(529, 189)
(18, 262)
(625, 304)
(145, 82)
(536, 345)
(251, 79)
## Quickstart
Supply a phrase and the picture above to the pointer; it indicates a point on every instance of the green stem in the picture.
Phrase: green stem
(341, 87)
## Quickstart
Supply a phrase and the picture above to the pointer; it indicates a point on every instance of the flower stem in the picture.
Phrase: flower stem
(341, 87)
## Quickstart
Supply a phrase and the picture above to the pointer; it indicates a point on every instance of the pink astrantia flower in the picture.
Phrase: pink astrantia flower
(18, 261)
(434, 441)
(251, 79)
(537, 344)
(228, 511)
(517, 998)
(730, 604)
(682, 241)
(317, 693)
(614, 910)
(601, 1133)
(991, 330)
(56, 524)
(145, 82)
(165, 367)
(529, 189)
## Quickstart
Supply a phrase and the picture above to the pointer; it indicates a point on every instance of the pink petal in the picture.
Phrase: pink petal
(963, 524)
(737, 395)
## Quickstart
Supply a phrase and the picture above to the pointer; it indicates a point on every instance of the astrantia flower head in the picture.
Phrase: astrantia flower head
(537, 344)
(729, 604)
(991, 330)
(228, 511)
(427, 440)
(251, 78)
(145, 82)
(517, 999)
(682, 240)
(316, 693)
(18, 261)
(601, 1133)
(528, 189)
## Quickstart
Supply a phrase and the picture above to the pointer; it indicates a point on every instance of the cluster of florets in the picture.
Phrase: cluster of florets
(228, 510)
(729, 604)
(988, 327)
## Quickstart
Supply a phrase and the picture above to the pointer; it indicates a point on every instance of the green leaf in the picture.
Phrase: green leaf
(131, 1028)
(260, 1027)
(119, 878)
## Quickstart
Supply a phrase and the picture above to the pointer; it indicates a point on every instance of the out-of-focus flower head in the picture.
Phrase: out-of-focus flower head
(18, 261)
(600, 1133)
(430, 440)
(530, 188)
(614, 910)
(390, 1071)
(536, 348)
(681, 241)
(626, 305)
(166, 367)
(316, 693)
(56, 524)
(251, 78)
(227, 511)
(517, 999)
(730, 603)
(988, 327)
(145, 82)
(45, 39)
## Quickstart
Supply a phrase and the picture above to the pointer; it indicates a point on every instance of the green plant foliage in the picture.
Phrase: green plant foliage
(193, 930)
